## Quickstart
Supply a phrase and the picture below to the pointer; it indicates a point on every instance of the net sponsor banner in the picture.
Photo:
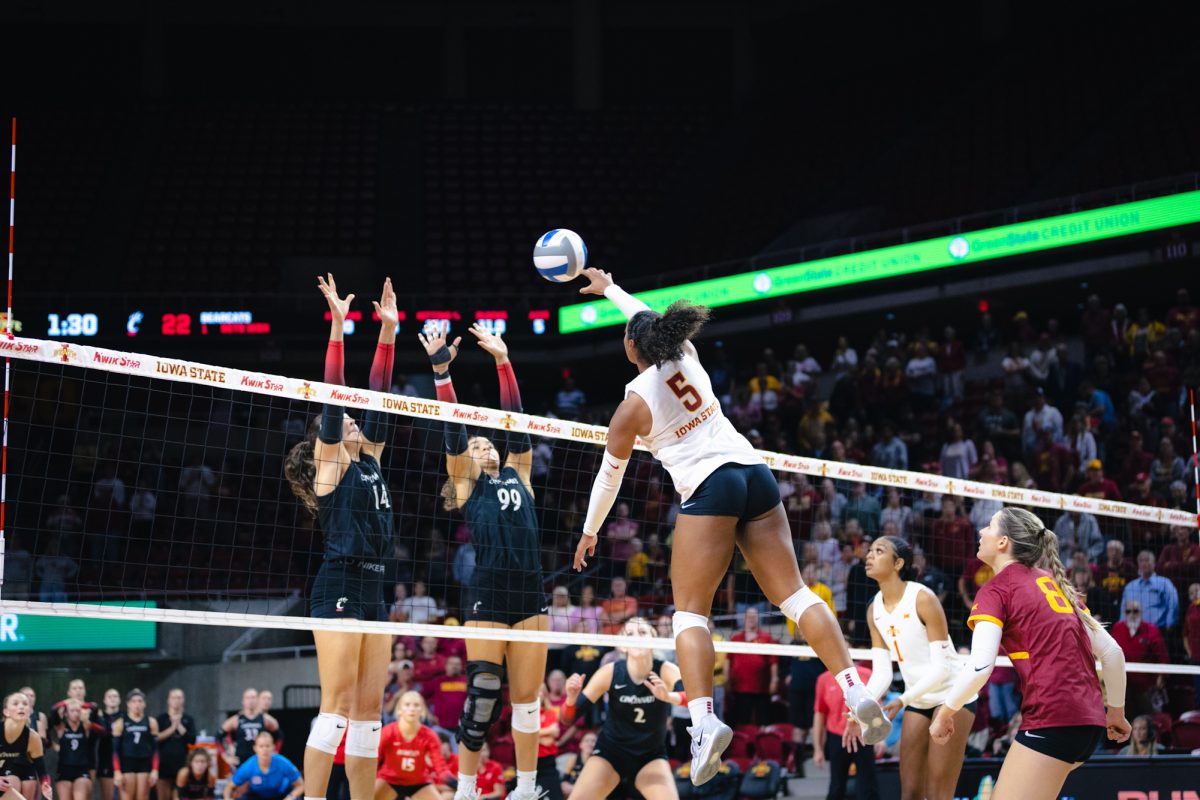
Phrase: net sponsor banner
(25, 633)
(318, 392)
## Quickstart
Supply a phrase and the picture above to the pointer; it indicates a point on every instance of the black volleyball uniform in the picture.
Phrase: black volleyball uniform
(247, 731)
(172, 751)
(507, 586)
(634, 734)
(76, 751)
(356, 519)
(136, 745)
(14, 756)
(104, 743)
(193, 789)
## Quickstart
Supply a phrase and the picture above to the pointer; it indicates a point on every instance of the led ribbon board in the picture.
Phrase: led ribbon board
(23, 633)
(1065, 230)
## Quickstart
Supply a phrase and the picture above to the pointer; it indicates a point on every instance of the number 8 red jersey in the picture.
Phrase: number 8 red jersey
(1048, 645)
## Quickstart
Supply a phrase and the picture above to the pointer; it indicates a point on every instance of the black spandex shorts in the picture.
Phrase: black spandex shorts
(130, 766)
(104, 769)
(25, 772)
(734, 490)
(972, 706)
(351, 588)
(73, 773)
(800, 707)
(506, 599)
(626, 763)
(1070, 743)
(404, 792)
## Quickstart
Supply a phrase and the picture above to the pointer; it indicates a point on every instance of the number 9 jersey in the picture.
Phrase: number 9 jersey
(1048, 646)
(689, 432)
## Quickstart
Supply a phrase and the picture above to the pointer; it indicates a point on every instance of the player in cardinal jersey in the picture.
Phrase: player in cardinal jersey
(410, 755)
(1053, 643)
(908, 625)
(729, 497)
(506, 591)
(631, 745)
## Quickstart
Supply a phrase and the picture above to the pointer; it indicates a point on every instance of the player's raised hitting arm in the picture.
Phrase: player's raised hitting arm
(601, 283)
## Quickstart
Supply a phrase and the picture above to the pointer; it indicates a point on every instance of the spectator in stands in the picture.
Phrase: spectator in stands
(1065, 376)
(928, 575)
(1081, 441)
(1141, 403)
(18, 569)
(587, 617)
(1097, 485)
(54, 570)
(952, 362)
(1112, 576)
(839, 576)
(1016, 373)
(428, 663)
(1179, 561)
(560, 611)
(446, 695)
(398, 611)
(998, 423)
(983, 509)
(570, 400)
(829, 723)
(420, 608)
(1042, 416)
(753, 678)
(1144, 336)
(1020, 476)
(958, 454)
(1099, 405)
(1166, 467)
(1143, 739)
(896, 513)
(543, 460)
(1136, 460)
(765, 387)
(619, 534)
(845, 357)
(890, 452)
(1141, 641)
(804, 367)
(833, 500)
(813, 581)
(1177, 497)
(400, 680)
(1096, 327)
(571, 774)
(862, 507)
(618, 608)
(1053, 464)
(1191, 632)
(921, 375)
(1155, 596)
(1041, 360)
(828, 549)
(1167, 428)
(951, 539)
(1078, 531)
(1183, 314)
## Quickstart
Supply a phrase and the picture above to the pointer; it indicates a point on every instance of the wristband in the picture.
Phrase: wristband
(442, 355)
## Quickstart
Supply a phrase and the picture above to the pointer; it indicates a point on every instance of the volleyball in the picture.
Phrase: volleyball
(559, 255)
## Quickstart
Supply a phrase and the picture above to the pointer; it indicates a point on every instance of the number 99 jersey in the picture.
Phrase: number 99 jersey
(1048, 645)
(503, 521)
(689, 432)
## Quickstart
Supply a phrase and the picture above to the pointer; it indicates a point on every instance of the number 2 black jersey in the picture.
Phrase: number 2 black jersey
(356, 517)
(637, 720)
(503, 522)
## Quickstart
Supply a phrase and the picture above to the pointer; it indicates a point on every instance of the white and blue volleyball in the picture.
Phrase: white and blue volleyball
(559, 255)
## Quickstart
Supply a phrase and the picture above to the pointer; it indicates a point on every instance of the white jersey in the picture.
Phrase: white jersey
(908, 642)
(689, 432)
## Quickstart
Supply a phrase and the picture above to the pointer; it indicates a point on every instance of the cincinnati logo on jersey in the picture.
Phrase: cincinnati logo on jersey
(636, 699)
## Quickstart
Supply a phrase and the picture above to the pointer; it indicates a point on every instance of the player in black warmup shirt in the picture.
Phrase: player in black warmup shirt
(496, 499)
(135, 749)
(21, 754)
(195, 780)
(335, 471)
(176, 732)
(243, 728)
(76, 747)
(110, 712)
(631, 745)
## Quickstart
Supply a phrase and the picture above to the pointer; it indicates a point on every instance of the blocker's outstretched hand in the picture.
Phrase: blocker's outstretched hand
(338, 306)
(433, 344)
(491, 342)
(385, 306)
(598, 281)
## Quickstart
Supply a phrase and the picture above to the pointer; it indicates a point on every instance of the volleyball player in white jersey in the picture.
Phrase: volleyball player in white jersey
(729, 497)
(908, 625)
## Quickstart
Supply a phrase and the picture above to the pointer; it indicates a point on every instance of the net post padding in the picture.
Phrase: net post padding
(180, 371)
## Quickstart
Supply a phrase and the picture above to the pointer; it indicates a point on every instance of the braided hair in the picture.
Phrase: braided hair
(660, 337)
(1033, 544)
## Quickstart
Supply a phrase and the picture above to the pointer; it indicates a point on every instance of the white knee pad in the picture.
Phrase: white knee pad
(362, 740)
(800, 602)
(527, 717)
(682, 620)
(327, 732)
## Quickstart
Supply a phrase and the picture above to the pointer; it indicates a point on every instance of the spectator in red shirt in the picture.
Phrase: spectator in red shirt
(1136, 461)
(952, 360)
(951, 539)
(1096, 485)
(446, 694)
(548, 733)
(1180, 561)
(619, 608)
(1053, 464)
(1140, 641)
(829, 716)
(1096, 328)
(428, 663)
(753, 678)
(1191, 631)
(490, 778)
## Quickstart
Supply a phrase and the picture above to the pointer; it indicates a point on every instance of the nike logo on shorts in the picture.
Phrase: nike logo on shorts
(687, 505)
(1032, 735)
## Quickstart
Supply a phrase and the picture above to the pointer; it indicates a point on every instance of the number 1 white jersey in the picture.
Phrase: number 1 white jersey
(908, 641)
(689, 433)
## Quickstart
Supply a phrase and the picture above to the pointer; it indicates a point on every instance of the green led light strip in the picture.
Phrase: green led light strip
(1065, 230)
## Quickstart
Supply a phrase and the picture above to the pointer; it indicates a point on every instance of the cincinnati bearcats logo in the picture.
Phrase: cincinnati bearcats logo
(341, 603)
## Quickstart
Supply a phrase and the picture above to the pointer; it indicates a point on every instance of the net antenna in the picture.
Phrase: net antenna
(8, 331)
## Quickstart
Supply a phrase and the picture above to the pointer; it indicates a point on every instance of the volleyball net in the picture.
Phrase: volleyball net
(152, 488)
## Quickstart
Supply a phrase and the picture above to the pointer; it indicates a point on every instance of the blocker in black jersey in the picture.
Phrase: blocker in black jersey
(356, 520)
(633, 734)
(14, 756)
(507, 584)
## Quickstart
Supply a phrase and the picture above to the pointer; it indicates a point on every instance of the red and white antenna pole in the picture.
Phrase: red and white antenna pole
(1195, 455)
(8, 330)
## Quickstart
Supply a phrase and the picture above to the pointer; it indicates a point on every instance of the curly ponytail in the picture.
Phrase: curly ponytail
(1033, 544)
(660, 337)
(300, 467)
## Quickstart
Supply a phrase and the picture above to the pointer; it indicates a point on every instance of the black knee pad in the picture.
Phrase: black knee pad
(482, 708)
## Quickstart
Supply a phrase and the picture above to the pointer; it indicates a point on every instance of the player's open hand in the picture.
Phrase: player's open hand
(48, 792)
(491, 342)
(434, 344)
(385, 306)
(658, 687)
(852, 736)
(942, 727)
(586, 547)
(1117, 726)
(339, 307)
(598, 281)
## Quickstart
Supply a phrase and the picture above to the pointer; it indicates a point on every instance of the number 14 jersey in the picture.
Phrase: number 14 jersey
(689, 433)
(1048, 645)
